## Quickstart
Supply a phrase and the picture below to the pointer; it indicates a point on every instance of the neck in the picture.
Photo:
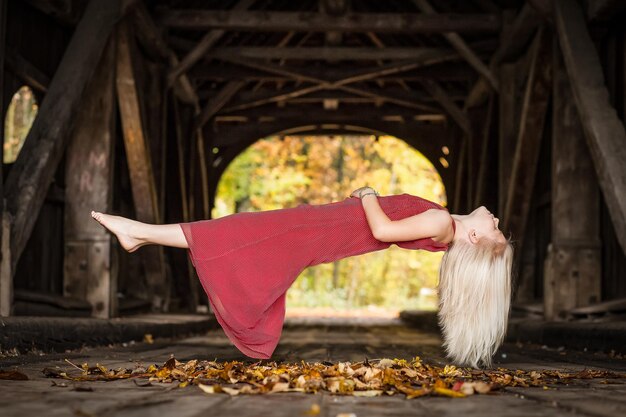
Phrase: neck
(461, 228)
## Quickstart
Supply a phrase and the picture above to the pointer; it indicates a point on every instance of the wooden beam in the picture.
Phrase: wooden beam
(603, 129)
(193, 19)
(89, 186)
(513, 41)
(325, 53)
(227, 72)
(534, 110)
(139, 163)
(231, 135)
(348, 77)
(449, 106)
(573, 270)
(28, 73)
(149, 35)
(30, 177)
(329, 85)
(419, 96)
(205, 44)
(413, 100)
(313, 110)
(216, 103)
(461, 46)
(329, 116)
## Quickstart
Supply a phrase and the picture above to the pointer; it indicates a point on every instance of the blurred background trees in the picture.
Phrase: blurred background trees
(285, 171)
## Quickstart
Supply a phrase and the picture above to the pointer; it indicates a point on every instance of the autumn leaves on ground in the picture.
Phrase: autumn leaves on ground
(368, 378)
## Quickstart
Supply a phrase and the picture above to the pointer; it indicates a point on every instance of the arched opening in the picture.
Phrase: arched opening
(19, 118)
(287, 170)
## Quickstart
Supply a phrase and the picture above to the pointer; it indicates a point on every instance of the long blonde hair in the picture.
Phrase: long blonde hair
(474, 299)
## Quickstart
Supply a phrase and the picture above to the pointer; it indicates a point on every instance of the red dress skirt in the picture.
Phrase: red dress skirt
(247, 261)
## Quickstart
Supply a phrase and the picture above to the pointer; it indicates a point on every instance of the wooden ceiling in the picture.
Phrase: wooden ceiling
(395, 60)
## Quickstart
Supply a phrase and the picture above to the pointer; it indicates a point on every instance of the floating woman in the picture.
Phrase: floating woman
(247, 261)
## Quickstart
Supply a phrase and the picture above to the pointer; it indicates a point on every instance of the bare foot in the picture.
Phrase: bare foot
(124, 229)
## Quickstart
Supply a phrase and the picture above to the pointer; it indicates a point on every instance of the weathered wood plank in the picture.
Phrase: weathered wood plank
(604, 131)
(139, 163)
(33, 171)
(327, 53)
(534, 109)
(88, 178)
(193, 19)
(573, 269)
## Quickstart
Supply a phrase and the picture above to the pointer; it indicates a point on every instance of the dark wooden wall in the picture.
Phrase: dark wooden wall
(610, 39)
(41, 266)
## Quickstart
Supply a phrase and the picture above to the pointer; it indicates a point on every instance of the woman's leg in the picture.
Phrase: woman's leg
(133, 234)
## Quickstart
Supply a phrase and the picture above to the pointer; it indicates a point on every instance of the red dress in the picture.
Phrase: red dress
(247, 261)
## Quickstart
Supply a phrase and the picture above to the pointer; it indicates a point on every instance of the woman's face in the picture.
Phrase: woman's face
(485, 224)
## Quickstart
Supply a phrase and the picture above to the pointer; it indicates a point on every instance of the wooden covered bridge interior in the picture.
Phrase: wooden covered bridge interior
(520, 105)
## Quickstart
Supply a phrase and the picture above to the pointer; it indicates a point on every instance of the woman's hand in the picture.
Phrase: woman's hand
(358, 191)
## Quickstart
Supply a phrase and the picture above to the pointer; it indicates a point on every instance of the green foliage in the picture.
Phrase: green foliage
(19, 118)
(284, 172)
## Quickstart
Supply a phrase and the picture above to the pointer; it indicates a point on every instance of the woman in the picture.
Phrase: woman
(247, 261)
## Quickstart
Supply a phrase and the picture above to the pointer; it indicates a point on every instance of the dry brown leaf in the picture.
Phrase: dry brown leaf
(370, 377)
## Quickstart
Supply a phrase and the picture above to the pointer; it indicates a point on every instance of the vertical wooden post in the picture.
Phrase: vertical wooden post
(529, 136)
(604, 131)
(6, 281)
(573, 268)
(140, 166)
(88, 176)
(508, 127)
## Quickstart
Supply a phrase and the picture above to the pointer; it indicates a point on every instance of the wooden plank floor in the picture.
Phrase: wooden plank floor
(38, 396)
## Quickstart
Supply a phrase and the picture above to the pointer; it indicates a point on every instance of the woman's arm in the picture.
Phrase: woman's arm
(431, 223)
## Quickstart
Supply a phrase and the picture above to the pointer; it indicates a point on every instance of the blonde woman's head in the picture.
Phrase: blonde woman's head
(475, 289)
